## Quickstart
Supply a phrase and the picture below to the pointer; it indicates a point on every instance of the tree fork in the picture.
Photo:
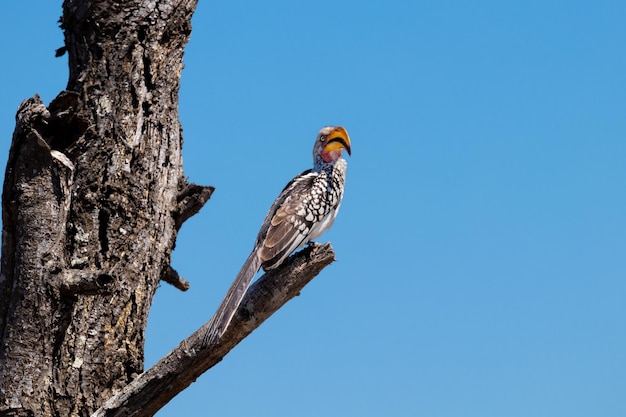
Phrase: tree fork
(191, 358)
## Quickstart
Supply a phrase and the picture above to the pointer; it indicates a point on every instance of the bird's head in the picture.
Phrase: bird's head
(330, 143)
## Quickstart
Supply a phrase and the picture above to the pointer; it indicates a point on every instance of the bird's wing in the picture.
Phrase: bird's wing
(288, 222)
(277, 239)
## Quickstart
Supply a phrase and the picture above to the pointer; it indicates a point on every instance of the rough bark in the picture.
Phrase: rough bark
(94, 194)
(93, 198)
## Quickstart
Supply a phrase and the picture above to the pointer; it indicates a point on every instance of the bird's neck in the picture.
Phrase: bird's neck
(321, 165)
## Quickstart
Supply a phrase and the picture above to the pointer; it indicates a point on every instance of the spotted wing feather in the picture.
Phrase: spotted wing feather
(286, 226)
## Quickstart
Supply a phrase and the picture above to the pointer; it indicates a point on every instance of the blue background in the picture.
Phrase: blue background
(481, 244)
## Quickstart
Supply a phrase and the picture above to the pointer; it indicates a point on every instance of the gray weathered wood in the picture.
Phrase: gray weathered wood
(190, 359)
(94, 195)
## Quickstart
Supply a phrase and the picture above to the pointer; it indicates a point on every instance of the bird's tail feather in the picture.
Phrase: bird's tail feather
(225, 312)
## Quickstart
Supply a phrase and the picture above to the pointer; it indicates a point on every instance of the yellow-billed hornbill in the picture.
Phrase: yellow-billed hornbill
(304, 210)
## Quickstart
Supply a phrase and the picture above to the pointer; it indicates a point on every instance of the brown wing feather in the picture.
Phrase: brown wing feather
(284, 228)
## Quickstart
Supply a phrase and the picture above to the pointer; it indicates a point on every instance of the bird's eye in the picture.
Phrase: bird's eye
(323, 138)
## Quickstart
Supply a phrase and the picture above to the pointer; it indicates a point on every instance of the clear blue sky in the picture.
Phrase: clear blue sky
(481, 244)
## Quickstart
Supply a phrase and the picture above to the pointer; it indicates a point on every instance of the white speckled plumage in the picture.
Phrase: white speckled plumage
(303, 211)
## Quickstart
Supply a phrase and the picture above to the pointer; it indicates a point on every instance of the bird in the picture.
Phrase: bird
(303, 211)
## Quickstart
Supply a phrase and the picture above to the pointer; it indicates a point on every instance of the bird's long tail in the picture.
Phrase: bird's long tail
(225, 312)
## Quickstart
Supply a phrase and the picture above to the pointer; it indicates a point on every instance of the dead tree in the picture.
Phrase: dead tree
(94, 195)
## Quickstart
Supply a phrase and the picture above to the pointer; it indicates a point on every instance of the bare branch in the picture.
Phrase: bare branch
(171, 277)
(183, 365)
(190, 200)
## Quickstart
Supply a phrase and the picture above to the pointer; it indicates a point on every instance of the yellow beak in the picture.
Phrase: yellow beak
(338, 139)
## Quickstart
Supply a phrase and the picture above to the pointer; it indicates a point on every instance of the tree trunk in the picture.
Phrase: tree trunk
(93, 197)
